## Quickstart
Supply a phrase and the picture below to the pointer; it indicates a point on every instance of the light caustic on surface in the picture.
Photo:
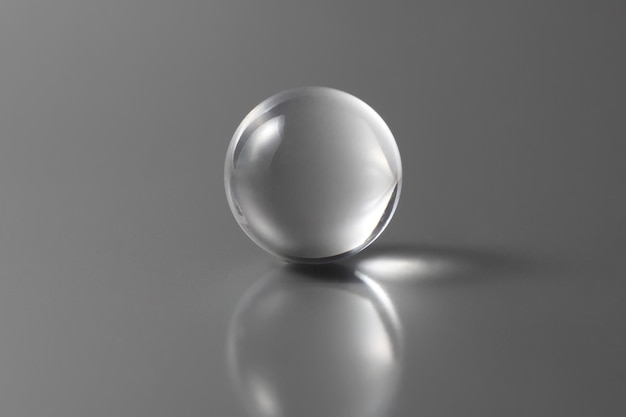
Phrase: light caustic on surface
(313, 174)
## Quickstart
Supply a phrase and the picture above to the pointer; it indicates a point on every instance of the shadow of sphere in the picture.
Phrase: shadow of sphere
(438, 265)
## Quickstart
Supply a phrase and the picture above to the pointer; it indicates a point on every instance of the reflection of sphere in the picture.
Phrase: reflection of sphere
(313, 174)
(303, 345)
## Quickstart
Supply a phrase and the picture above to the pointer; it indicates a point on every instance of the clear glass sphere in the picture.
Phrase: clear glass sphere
(313, 174)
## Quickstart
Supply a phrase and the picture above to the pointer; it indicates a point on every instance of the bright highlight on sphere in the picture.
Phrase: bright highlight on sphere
(313, 174)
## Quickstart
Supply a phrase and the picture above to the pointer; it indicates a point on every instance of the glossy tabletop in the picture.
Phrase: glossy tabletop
(128, 289)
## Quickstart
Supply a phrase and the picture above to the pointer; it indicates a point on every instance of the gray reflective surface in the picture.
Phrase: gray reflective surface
(307, 341)
(313, 174)
(122, 269)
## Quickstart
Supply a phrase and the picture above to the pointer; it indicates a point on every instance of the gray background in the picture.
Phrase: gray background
(121, 265)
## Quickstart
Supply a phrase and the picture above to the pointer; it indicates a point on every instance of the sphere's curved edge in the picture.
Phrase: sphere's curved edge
(391, 208)
(319, 261)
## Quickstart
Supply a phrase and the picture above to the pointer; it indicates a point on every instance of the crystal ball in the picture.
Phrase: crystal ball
(313, 174)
